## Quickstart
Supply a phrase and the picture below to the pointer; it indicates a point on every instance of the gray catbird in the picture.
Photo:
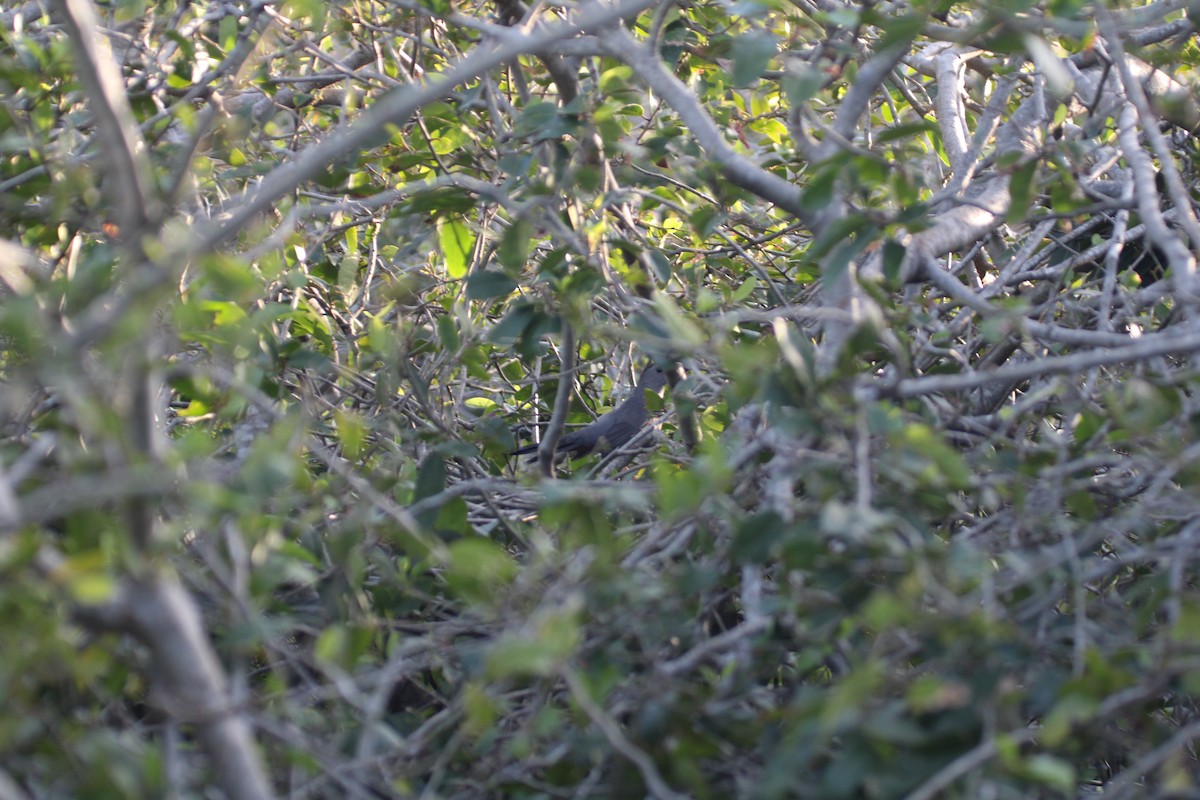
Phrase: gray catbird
(612, 430)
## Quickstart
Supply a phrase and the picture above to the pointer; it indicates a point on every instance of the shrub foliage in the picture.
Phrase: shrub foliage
(284, 283)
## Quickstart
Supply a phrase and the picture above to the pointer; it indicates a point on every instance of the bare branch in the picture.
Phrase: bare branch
(1169, 343)
(616, 737)
(562, 403)
(1182, 260)
(395, 109)
(736, 167)
(871, 76)
(190, 685)
(124, 149)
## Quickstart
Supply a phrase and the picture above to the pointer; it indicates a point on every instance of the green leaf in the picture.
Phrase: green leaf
(705, 220)
(315, 9)
(1051, 771)
(481, 709)
(907, 130)
(943, 465)
(801, 83)
(837, 260)
(448, 333)
(342, 645)
(348, 271)
(893, 259)
(1058, 80)
(540, 120)
(1023, 188)
(515, 322)
(751, 53)
(478, 569)
(1140, 407)
(546, 642)
(87, 578)
(819, 191)
(227, 30)
(457, 245)
(514, 248)
(900, 29)
(488, 284)
(351, 433)
(482, 404)
(446, 199)
(431, 477)
(661, 264)
(616, 79)
(756, 537)
(743, 291)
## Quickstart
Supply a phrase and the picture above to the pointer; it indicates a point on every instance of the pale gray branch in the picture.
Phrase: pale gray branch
(189, 683)
(394, 109)
(871, 76)
(562, 404)
(619, 742)
(1167, 343)
(1182, 260)
(736, 167)
(124, 148)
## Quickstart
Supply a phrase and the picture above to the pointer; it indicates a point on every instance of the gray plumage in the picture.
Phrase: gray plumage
(612, 430)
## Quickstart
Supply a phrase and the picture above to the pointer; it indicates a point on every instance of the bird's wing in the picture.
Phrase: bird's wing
(576, 442)
(618, 430)
(567, 446)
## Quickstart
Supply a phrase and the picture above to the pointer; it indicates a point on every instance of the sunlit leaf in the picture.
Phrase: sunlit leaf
(457, 245)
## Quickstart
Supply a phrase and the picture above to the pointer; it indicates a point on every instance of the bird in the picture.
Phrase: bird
(612, 430)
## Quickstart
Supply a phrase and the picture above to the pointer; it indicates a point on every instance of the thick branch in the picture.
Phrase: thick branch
(394, 109)
(736, 167)
(120, 138)
(562, 403)
(190, 685)
(866, 83)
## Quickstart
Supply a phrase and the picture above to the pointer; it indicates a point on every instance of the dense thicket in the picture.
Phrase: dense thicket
(284, 283)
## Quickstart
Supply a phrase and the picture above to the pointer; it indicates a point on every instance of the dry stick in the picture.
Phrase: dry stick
(65, 497)
(988, 749)
(1146, 195)
(840, 288)
(979, 212)
(484, 487)
(975, 757)
(562, 403)
(1112, 260)
(29, 12)
(956, 291)
(1119, 787)
(121, 144)
(9, 790)
(693, 658)
(403, 518)
(951, 115)
(616, 737)
(1135, 93)
(16, 265)
(391, 109)
(1159, 345)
